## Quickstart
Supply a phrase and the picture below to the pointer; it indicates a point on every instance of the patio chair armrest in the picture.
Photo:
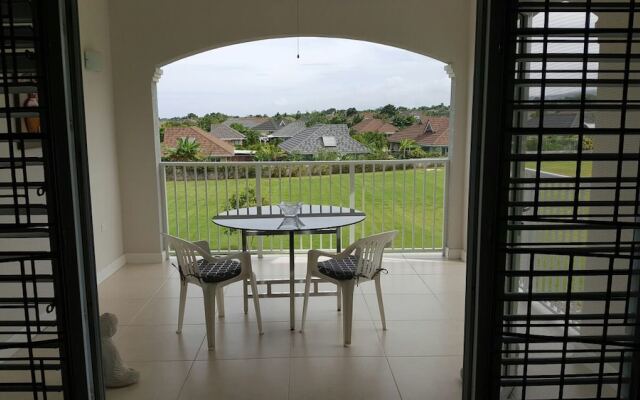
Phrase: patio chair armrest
(315, 254)
(204, 245)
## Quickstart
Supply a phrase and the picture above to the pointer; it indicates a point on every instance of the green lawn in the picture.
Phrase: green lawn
(402, 200)
(557, 262)
(567, 168)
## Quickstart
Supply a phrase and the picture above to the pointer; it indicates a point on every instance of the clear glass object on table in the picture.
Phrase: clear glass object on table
(291, 212)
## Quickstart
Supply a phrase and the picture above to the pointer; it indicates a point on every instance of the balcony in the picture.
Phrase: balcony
(404, 195)
(418, 357)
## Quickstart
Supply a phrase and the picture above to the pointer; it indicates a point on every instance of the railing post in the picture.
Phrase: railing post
(164, 208)
(445, 207)
(352, 199)
(259, 203)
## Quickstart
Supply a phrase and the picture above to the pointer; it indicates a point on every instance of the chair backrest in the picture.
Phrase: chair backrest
(187, 254)
(369, 251)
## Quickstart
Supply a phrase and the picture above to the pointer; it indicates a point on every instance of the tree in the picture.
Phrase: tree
(402, 121)
(207, 120)
(407, 146)
(269, 152)
(324, 155)
(187, 149)
(356, 119)
(351, 111)
(251, 137)
(389, 110)
(316, 118)
(375, 141)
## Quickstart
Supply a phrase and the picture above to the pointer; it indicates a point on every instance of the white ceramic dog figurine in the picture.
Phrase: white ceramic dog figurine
(116, 374)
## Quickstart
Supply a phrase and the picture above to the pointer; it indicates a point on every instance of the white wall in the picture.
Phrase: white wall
(147, 34)
(101, 137)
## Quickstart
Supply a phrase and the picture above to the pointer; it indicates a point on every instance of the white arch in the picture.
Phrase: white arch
(146, 34)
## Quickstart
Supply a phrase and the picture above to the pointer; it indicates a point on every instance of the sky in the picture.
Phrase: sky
(265, 77)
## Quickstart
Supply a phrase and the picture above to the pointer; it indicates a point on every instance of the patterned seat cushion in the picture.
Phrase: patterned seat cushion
(218, 271)
(342, 270)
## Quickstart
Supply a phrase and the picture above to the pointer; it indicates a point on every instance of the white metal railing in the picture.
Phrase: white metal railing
(407, 195)
(553, 192)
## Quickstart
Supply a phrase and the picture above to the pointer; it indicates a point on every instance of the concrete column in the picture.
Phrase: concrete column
(138, 155)
(455, 187)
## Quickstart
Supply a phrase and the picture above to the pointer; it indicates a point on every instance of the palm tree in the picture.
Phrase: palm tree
(187, 149)
(407, 146)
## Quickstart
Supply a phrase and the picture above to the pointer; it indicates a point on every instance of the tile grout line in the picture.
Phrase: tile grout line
(393, 376)
(193, 362)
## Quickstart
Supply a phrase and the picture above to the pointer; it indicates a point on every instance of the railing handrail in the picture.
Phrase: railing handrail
(407, 206)
(310, 162)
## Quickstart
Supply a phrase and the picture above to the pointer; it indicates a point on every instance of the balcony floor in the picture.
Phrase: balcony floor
(418, 357)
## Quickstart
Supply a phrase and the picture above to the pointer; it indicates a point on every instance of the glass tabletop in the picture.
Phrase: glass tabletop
(270, 218)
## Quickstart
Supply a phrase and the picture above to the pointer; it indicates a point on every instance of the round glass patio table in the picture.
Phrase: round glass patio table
(269, 220)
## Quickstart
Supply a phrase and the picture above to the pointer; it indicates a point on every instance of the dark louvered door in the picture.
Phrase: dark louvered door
(46, 311)
(562, 129)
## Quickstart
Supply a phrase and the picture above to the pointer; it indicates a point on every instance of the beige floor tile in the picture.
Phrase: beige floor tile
(453, 303)
(436, 267)
(407, 307)
(125, 309)
(397, 265)
(238, 380)
(164, 311)
(159, 342)
(397, 284)
(325, 339)
(122, 287)
(272, 309)
(342, 378)
(275, 266)
(171, 288)
(423, 338)
(325, 308)
(242, 341)
(159, 380)
(235, 289)
(51, 378)
(146, 271)
(428, 378)
(445, 283)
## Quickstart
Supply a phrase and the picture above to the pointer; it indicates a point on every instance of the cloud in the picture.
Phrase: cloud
(265, 77)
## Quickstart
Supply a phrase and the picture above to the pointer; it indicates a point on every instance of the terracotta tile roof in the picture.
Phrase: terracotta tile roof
(374, 125)
(431, 131)
(209, 144)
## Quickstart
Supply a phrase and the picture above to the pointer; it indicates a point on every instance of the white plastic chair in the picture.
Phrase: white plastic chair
(197, 266)
(345, 269)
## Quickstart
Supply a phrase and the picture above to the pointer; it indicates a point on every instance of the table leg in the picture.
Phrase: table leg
(245, 286)
(338, 241)
(292, 288)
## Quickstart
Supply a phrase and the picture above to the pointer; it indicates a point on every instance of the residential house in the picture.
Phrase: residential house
(227, 133)
(323, 137)
(269, 126)
(374, 125)
(289, 130)
(431, 133)
(210, 145)
(247, 122)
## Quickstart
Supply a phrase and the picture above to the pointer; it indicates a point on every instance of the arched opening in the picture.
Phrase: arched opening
(364, 92)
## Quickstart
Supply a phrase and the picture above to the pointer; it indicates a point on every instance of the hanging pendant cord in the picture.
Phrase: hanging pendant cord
(298, 28)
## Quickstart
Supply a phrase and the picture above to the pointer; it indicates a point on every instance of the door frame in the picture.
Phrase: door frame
(70, 207)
